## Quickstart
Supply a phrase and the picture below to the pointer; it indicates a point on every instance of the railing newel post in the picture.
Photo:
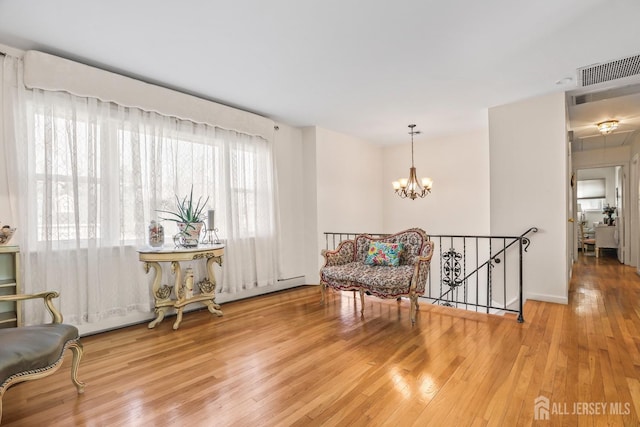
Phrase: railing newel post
(464, 270)
(520, 299)
(504, 273)
(477, 275)
(490, 275)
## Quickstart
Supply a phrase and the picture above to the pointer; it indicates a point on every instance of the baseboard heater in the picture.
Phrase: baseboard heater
(290, 278)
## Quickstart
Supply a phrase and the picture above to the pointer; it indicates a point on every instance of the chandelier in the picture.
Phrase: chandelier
(608, 126)
(411, 187)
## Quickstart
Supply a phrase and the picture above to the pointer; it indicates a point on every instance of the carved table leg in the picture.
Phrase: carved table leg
(211, 305)
(179, 292)
(160, 294)
(176, 324)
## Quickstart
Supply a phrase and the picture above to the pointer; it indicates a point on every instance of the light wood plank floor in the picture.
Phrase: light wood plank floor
(286, 360)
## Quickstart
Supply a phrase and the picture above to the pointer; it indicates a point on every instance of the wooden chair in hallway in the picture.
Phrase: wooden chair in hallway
(586, 241)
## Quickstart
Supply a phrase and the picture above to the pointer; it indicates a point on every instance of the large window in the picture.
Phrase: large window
(91, 177)
(104, 177)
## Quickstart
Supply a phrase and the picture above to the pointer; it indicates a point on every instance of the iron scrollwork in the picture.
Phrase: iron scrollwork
(451, 268)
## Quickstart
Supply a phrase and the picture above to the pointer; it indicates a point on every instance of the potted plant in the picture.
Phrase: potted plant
(189, 217)
(609, 211)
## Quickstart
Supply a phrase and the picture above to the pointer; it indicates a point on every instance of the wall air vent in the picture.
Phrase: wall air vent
(607, 71)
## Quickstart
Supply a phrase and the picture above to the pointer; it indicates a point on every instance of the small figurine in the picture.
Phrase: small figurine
(188, 283)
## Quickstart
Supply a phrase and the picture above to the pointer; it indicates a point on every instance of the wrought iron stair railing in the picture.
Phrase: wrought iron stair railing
(479, 273)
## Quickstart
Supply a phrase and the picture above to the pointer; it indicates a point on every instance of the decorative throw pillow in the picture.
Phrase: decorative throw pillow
(381, 253)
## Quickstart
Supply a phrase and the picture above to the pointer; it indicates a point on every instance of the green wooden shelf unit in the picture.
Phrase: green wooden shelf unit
(10, 316)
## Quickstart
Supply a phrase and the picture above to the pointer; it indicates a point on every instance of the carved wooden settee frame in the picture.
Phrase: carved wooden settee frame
(344, 268)
(36, 351)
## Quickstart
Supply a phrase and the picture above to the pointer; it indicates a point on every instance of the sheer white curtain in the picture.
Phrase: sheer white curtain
(90, 175)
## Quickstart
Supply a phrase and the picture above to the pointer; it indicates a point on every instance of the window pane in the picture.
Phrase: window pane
(591, 189)
(591, 204)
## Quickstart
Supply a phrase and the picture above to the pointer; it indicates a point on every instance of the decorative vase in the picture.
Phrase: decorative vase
(6, 233)
(156, 235)
(189, 235)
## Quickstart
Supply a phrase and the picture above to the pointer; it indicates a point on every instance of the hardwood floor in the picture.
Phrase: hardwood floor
(286, 360)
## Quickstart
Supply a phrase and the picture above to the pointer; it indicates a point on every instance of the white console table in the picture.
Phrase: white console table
(606, 237)
(182, 289)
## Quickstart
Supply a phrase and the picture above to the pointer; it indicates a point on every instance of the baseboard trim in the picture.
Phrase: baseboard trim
(221, 298)
(547, 298)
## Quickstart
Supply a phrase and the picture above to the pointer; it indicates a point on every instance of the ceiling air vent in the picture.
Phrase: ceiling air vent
(581, 99)
(607, 71)
(606, 94)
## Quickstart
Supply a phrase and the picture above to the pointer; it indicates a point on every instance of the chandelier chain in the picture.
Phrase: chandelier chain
(412, 132)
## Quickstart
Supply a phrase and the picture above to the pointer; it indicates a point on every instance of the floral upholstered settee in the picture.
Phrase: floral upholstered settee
(388, 267)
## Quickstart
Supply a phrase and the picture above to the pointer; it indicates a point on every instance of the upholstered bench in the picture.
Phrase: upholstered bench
(388, 267)
(31, 352)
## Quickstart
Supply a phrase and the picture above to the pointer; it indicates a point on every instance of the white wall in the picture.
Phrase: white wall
(459, 202)
(612, 156)
(529, 178)
(349, 183)
(5, 211)
(633, 204)
(309, 237)
(288, 151)
(349, 187)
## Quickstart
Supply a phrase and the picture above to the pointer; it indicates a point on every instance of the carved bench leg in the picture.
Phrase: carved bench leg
(414, 306)
(361, 301)
(77, 350)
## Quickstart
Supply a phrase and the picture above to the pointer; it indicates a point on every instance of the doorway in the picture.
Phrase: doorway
(634, 213)
(600, 209)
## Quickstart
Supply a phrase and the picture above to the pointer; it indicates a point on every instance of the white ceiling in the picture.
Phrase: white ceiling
(622, 104)
(364, 68)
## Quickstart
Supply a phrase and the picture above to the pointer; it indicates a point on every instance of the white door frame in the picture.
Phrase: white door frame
(634, 213)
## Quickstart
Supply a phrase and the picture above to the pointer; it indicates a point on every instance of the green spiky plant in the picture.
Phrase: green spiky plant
(186, 211)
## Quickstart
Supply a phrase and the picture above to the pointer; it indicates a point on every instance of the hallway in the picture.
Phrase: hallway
(595, 341)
